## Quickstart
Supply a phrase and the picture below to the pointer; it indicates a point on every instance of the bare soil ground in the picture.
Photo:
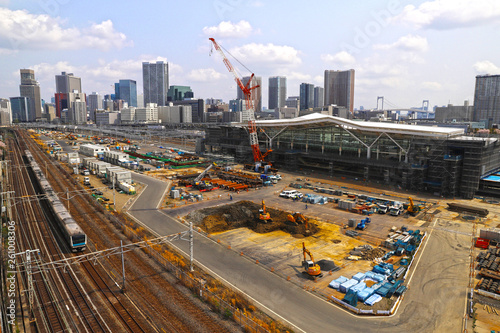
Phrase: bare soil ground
(246, 214)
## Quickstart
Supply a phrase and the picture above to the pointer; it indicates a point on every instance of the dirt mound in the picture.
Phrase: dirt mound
(327, 265)
(246, 214)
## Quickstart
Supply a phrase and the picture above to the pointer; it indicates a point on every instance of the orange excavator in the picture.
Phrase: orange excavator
(297, 218)
(310, 266)
(264, 216)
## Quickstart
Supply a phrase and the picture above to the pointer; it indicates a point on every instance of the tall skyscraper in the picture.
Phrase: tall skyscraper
(256, 93)
(94, 102)
(19, 107)
(319, 97)
(277, 92)
(67, 82)
(339, 88)
(306, 96)
(127, 91)
(155, 82)
(487, 99)
(31, 89)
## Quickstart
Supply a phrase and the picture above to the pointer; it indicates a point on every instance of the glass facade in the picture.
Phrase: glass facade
(127, 91)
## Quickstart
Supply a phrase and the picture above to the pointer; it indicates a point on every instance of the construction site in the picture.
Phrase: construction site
(438, 160)
(349, 211)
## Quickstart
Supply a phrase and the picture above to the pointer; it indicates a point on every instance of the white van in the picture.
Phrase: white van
(288, 194)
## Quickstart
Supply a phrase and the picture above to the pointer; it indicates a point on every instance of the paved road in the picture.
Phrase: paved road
(434, 302)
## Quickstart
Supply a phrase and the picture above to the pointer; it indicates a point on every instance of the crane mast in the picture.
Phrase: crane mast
(247, 92)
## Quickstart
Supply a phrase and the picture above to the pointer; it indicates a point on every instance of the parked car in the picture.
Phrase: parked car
(297, 195)
(288, 194)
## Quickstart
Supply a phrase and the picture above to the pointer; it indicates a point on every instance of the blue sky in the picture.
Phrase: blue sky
(406, 51)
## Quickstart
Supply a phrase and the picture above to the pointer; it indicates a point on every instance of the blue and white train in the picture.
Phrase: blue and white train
(73, 234)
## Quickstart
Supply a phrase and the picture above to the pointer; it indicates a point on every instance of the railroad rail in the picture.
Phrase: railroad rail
(169, 310)
(58, 289)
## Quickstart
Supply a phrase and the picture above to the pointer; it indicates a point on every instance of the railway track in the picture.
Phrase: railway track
(57, 290)
(163, 306)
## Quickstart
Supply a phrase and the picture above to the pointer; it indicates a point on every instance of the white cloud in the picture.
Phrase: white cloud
(204, 75)
(411, 43)
(21, 30)
(486, 67)
(257, 4)
(432, 86)
(450, 14)
(267, 54)
(227, 29)
(341, 58)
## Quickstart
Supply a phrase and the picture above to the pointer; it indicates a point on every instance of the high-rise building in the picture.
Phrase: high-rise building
(155, 82)
(31, 89)
(127, 91)
(50, 112)
(319, 97)
(306, 96)
(293, 102)
(77, 114)
(487, 99)
(67, 82)
(178, 93)
(256, 93)
(277, 92)
(339, 88)
(5, 112)
(237, 105)
(197, 108)
(94, 102)
(19, 107)
(175, 114)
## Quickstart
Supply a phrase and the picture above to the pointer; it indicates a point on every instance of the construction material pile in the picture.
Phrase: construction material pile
(367, 252)
(245, 214)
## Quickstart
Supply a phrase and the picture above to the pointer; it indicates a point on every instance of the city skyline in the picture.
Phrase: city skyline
(404, 52)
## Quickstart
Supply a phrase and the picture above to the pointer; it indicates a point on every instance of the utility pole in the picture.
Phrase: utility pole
(123, 266)
(114, 194)
(191, 246)
(67, 198)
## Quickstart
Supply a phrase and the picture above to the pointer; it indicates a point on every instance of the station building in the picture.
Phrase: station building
(439, 160)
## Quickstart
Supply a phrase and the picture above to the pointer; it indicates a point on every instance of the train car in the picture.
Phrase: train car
(73, 234)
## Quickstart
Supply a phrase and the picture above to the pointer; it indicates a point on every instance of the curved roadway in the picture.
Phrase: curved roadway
(435, 301)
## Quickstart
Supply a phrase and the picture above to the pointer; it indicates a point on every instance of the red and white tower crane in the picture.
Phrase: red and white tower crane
(247, 90)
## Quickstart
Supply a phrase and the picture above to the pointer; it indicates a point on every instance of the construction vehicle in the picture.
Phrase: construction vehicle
(396, 209)
(247, 90)
(412, 208)
(297, 218)
(382, 209)
(310, 266)
(203, 186)
(264, 215)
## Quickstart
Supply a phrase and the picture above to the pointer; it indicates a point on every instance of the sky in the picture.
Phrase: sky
(406, 51)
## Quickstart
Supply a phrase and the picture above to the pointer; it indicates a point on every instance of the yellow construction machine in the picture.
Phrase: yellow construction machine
(297, 218)
(412, 208)
(310, 266)
(264, 216)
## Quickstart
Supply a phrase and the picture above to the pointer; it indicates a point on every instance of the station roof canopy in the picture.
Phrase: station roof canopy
(320, 120)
